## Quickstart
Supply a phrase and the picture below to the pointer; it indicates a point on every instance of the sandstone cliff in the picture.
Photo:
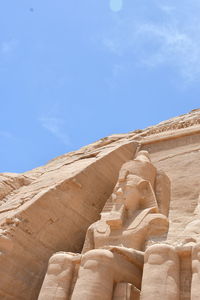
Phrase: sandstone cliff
(49, 208)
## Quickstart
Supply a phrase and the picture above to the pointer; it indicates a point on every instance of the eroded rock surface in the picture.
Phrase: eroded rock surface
(50, 208)
(113, 250)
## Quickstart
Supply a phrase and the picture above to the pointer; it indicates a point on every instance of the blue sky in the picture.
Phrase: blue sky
(72, 72)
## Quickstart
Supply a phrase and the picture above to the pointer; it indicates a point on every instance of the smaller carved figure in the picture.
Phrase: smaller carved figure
(161, 273)
(174, 269)
(113, 250)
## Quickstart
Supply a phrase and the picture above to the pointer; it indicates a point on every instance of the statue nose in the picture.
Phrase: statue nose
(119, 191)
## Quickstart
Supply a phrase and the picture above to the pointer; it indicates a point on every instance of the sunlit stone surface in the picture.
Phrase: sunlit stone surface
(131, 199)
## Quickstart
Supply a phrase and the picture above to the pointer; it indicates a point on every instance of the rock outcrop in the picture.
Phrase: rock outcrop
(50, 208)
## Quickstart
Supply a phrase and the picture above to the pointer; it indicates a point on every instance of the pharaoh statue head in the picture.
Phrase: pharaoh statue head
(134, 190)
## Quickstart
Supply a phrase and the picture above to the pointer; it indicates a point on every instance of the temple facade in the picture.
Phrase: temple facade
(116, 220)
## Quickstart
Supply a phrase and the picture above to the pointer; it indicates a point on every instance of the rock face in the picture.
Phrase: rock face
(112, 254)
(49, 209)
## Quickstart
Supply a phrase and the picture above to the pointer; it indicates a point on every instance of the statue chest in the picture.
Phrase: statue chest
(127, 237)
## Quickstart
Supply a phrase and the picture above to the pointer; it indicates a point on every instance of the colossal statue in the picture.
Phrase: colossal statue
(175, 268)
(111, 263)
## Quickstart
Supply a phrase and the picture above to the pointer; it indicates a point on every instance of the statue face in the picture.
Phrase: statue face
(132, 197)
(128, 194)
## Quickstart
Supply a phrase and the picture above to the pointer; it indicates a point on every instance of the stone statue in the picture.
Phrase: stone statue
(174, 268)
(161, 273)
(111, 263)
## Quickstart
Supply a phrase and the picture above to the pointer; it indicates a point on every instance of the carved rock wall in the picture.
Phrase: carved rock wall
(180, 159)
(52, 213)
(49, 208)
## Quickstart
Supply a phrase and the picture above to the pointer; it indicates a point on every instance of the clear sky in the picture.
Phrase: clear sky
(74, 71)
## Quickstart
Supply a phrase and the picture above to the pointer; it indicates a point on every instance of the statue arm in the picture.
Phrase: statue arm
(89, 240)
(157, 224)
(134, 256)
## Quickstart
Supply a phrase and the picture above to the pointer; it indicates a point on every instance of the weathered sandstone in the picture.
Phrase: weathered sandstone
(49, 209)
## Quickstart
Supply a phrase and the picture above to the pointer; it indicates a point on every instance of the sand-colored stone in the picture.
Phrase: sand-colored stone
(161, 273)
(50, 208)
(53, 213)
(112, 252)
